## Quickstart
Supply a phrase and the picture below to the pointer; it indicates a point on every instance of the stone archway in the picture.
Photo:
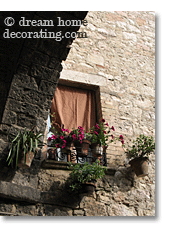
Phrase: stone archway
(30, 69)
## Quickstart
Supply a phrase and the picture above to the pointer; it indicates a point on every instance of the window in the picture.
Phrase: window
(74, 105)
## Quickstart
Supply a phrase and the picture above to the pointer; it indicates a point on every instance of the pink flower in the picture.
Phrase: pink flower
(105, 132)
(81, 128)
(113, 128)
(57, 145)
(107, 124)
(121, 137)
(122, 142)
(103, 120)
(61, 137)
(49, 139)
(74, 136)
(112, 136)
(67, 130)
(97, 126)
(54, 137)
(81, 136)
(96, 132)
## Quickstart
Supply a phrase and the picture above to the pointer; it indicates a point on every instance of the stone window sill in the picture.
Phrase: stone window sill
(58, 165)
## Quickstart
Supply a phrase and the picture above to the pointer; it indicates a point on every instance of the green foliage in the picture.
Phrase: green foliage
(83, 173)
(101, 134)
(24, 142)
(143, 146)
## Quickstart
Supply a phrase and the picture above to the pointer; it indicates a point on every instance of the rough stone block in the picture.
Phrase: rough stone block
(47, 87)
(57, 211)
(18, 192)
(9, 117)
(24, 81)
(78, 212)
(93, 207)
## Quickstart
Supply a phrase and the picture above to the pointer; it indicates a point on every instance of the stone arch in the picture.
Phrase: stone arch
(30, 69)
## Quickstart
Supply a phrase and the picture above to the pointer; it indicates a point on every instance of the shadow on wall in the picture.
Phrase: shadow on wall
(122, 180)
(62, 195)
(7, 173)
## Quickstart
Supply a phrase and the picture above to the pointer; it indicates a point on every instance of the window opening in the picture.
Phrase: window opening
(73, 107)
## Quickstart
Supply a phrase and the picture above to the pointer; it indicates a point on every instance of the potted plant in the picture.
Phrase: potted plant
(81, 139)
(139, 154)
(84, 176)
(23, 148)
(60, 139)
(101, 137)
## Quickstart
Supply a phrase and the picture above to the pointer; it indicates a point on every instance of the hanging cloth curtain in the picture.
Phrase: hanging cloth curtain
(73, 107)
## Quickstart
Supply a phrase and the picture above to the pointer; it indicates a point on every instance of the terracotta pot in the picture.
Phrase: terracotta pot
(97, 150)
(88, 187)
(82, 148)
(140, 166)
(28, 160)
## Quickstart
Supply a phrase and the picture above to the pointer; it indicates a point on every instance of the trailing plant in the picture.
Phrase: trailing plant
(23, 143)
(142, 146)
(82, 173)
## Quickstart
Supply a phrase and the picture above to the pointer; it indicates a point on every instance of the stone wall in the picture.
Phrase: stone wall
(119, 57)
(44, 192)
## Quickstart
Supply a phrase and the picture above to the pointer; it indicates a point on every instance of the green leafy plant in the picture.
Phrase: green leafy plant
(142, 146)
(82, 173)
(23, 143)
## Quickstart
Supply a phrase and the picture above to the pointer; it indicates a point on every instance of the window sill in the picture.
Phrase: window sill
(58, 165)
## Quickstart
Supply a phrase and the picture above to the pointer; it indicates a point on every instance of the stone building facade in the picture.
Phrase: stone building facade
(117, 56)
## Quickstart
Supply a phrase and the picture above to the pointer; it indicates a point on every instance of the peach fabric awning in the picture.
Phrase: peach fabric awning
(73, 107)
